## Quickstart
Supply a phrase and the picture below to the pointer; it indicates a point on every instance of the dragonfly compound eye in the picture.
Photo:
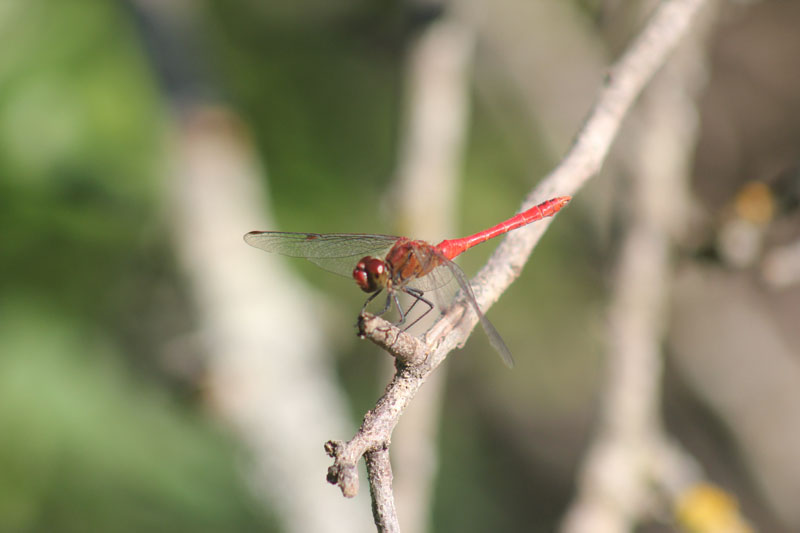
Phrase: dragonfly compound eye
(370, 274)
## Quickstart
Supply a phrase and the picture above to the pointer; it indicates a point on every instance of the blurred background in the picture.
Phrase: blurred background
(157, 374)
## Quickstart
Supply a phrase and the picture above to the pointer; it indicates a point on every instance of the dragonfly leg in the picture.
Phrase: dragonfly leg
(372, 297)
(399, 308)
(392, 297)
(416, 301)
(389, 297)
(418, 296)
(388, 304)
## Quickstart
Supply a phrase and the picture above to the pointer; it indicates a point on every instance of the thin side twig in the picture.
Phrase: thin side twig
(407, 350)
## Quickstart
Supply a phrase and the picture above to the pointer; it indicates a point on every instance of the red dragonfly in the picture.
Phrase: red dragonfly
(399, 264)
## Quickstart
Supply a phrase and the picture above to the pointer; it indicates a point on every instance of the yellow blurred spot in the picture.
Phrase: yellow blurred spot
(755, 203)
(708, 509)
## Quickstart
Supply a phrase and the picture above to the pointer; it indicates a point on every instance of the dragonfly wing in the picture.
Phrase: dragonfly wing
(436, 279)
(338, 265)
(335, 252)
(494, 337)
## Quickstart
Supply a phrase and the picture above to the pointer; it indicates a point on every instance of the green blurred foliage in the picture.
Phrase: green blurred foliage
(79, 141)
(87, 445)
(322, 94)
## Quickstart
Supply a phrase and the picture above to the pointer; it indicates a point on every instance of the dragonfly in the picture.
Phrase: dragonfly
(395, 264)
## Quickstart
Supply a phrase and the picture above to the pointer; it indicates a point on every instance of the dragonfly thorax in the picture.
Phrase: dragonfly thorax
(371, 274)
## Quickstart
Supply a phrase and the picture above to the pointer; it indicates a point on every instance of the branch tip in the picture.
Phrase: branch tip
(406, 349)
(342, 472)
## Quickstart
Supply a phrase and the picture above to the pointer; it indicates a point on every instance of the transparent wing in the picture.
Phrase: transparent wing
(439, 283)
(436, 280)
(494, 337)
(335, 252)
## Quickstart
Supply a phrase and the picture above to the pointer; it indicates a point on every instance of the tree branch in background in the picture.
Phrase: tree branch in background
(436, 116)
(780, 269)
(667, 26)
(262, 380)
(632, 470)
(518, 42)
(215, 195)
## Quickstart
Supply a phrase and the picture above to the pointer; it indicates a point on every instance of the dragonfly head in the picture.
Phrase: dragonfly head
(371, 274)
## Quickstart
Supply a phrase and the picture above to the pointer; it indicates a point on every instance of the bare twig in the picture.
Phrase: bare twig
(625, 81)
(407, 350)
(375, 432)
(379, 469)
